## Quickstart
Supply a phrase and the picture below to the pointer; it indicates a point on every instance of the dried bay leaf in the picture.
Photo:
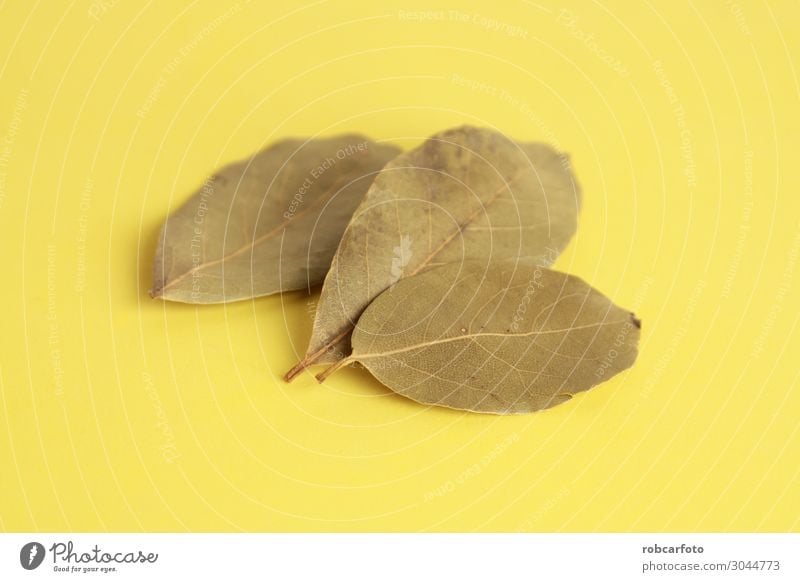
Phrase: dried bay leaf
(511, 337)
(466, 193)
(268, 224)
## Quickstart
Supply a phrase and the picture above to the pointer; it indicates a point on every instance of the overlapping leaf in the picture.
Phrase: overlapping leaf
(508, 337)
(268, 224)
(437, 278)
(466, 193)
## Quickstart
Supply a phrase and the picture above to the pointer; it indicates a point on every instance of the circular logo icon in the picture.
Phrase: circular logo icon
(31, 555)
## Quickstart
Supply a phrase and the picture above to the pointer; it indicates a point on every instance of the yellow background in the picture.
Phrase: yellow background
(124, 413)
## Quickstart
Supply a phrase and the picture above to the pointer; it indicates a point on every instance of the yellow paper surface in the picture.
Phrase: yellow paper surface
(118, 412)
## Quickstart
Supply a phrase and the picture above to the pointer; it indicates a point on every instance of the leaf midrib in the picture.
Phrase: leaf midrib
(469, 220)
(348, 327)
(483, 334)
(254, 242)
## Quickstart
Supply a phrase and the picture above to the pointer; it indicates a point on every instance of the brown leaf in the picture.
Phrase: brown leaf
(268, 224)
(511, 337)
(466, 193)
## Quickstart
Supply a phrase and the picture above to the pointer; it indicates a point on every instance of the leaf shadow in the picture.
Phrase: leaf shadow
(146, 255)
(361, 383)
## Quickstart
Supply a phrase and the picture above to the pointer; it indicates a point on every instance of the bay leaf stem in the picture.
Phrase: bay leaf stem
(331, 369)
(311, 358)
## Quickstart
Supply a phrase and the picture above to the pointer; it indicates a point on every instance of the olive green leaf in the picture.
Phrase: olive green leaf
(507, 338)
(267, 224)
(466, 193)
